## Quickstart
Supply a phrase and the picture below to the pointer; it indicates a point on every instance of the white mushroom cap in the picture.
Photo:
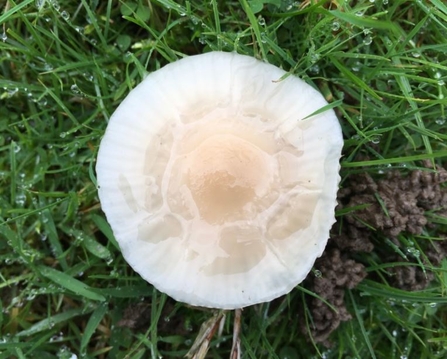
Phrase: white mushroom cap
(219, 190)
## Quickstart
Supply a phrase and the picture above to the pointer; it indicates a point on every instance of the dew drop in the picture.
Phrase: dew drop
(3, 36)
(263, 37)
(367, 40)
(63, 134)
(315, 69)
(17, 148)
(65, 15)
(314, 58)
(39, 4)
(75, 89)
(56, 5)
(261, 20)
(440, 121)
(375, 139)
(20, 200)
(413, 251)
(335, 26)
(356, 67)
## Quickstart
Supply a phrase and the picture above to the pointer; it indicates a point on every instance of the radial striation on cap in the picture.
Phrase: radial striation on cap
(219, 187)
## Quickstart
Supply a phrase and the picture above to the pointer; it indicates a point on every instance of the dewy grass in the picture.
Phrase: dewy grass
(64, 68)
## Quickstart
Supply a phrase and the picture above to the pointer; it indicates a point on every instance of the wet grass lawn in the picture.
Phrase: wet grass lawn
(379, 291)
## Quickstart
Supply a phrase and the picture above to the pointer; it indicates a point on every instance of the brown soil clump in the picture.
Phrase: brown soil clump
(386, 208)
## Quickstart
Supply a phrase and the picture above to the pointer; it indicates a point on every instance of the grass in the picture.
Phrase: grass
(64, 68)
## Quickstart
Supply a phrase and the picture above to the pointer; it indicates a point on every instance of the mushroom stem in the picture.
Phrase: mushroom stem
(202, 343)
(236, 348)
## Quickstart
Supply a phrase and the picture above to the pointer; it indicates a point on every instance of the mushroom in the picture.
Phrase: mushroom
(219, 180)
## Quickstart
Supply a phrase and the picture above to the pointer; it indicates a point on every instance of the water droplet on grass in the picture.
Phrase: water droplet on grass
(3, 36)
(314, 58)
(12, 92)
(56, 5)
(413, 251)
(263, 37)
(335, 26)
(315, 69)
(375, 139)
(65, 15)
(39, 4)
(356, 66)
(75, 89)
(367, 40)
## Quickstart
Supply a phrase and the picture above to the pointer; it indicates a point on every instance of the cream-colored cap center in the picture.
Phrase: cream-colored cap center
(225, 174)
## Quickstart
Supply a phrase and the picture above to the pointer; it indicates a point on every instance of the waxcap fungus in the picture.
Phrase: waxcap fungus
(218, 185)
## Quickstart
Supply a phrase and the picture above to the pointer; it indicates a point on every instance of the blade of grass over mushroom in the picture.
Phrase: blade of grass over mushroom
(70, 283)
(329, 106)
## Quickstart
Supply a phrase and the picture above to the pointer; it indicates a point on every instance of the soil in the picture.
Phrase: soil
(386, 208)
